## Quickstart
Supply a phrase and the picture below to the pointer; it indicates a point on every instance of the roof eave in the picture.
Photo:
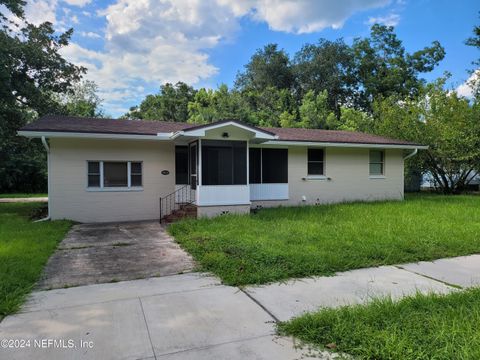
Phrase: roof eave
(92, 135)
(345, 144)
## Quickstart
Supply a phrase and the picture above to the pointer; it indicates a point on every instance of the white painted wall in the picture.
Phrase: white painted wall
(70, 198)
(212, 211)
(208, 195)
(348, 169)
(268, 191)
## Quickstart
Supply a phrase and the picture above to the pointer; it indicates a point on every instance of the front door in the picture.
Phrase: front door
(193, 151)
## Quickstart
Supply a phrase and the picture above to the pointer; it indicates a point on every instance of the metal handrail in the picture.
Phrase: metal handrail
(175, 200)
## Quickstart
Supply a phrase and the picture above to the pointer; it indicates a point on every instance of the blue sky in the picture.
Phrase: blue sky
(131, 47)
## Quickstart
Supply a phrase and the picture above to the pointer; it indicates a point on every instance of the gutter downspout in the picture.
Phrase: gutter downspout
(47, 149)
(413, 153)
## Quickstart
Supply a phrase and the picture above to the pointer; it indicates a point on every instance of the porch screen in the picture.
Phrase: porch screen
(181, 165)
(224, 162)
(268, 166)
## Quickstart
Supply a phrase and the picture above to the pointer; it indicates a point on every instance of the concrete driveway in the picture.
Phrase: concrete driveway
(188, 316)
(102, 253)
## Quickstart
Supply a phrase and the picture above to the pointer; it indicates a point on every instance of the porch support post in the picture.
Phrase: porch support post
(199, 171)
(248, 162)
(248, 169)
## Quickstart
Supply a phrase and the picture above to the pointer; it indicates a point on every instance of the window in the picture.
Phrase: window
(224, 162)
(377, 159)
(268, 166)
(93, 174)
(316, 162)
(114, 174)
(136, 174)
(181, 165)
(255, 166)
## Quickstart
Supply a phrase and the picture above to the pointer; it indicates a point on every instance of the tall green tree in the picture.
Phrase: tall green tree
(383, 68)
(170, 104)
(31, 71)
(474, 40)
(266, 106)
(445, 122)
(315, 112)
(213, 105)
(475, 80)
(82, 100)
(326, 66)
(268, 67)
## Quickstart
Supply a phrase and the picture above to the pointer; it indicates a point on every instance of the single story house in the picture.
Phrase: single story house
(102, 170)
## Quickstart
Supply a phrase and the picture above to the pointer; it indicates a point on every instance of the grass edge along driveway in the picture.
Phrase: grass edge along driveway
(25, 247)
(294, 242)
(417, 327)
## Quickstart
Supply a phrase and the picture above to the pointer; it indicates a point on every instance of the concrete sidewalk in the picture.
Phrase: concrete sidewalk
(292, 298)
(193, 316)
(23, 200)
(188, 316)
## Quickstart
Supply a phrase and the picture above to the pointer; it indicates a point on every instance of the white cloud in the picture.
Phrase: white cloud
(39, 11)
(388, 20)
(153, 42)
(79, 3)
(149, 42)
(301, 16)
(90, 34)
(466, 89)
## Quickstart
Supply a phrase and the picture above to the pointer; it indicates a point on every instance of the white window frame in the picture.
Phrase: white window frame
(314, 176)
(129, 186)
(377, 176)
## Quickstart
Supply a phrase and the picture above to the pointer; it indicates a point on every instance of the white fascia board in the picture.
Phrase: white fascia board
(345, 145)
(60, 134)
(174, 135)
(201, 132)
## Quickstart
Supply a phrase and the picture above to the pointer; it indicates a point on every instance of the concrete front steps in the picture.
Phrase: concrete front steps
(185, 211)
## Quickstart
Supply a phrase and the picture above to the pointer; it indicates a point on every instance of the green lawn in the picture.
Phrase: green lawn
(320, 240)
(419, 327)
(25, 247)
(21, 195)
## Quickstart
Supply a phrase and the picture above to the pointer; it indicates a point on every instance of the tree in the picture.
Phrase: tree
(445, 122)
(170, 104)
(383, 68)
(266, 106)
(213, 105)
(355, 120)
(315, 112)
(474, 82)
(475, 40)
(268, 67)
(327, 65)
(82, 100)
(31, 71)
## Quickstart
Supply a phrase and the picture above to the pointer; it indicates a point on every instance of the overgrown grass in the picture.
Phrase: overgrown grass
(21, 195)
(320, 240)
(419, 327)
(25, 247)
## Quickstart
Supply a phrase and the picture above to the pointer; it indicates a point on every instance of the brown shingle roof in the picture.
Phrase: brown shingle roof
(58, 123)
(333, 136)
(103, 126)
